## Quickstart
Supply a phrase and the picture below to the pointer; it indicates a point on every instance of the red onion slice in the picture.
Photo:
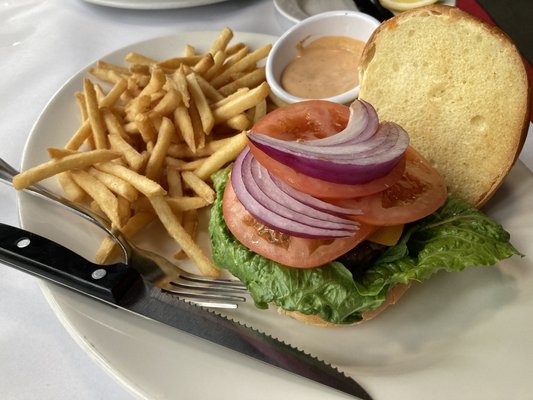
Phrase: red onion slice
(363, 151)
(271, 206)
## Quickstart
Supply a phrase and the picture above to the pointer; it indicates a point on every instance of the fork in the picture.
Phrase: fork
(207, 292)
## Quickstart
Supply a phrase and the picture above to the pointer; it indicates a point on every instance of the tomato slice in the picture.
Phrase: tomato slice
(309, 120)
(285, 249)
(306, 120)
(419, 192)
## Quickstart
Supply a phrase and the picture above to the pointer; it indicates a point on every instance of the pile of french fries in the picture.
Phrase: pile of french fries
(146, 147)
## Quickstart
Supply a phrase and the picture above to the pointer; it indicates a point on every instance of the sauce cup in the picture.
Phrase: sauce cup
(353, 24)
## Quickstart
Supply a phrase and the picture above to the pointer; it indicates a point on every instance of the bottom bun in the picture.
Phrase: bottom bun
(392, 297)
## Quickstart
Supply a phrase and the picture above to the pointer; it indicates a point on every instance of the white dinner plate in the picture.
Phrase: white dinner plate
(152, 4)
(296, 10)
(462, 335)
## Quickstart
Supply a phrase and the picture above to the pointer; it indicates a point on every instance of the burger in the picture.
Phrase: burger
(332, 211)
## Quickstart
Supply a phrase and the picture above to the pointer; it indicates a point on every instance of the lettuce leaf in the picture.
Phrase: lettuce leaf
(454, 237)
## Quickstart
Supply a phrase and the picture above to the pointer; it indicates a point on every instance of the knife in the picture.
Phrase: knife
(121, 286)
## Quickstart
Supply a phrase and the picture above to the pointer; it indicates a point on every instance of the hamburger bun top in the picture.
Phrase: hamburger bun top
(458, 86)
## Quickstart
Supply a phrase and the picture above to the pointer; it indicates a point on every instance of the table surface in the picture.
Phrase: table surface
(42, 44)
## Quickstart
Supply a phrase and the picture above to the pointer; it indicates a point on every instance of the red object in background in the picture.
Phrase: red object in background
(473, 8)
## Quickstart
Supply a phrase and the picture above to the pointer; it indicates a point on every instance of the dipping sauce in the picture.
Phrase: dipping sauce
(323, 68)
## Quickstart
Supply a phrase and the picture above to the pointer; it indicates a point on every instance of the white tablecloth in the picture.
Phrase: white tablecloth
(43, 43)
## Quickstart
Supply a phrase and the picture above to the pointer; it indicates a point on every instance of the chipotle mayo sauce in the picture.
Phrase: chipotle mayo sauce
(323, 68)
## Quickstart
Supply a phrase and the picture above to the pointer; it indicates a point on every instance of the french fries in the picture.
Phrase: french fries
(151, 134)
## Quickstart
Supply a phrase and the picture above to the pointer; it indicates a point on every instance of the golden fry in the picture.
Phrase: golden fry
(221, 41)
(242, 103)
(95, 118)
(103, 197)
(206, 116)
(184, 240)
(198, 186)
(55, 166)
(144, 185)
(244, 64)
(222, 156)
(115, 184)
(134, 225)
(154, 167)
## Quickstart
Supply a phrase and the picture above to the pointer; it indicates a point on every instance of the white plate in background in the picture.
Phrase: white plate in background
(462, 335)
(296, 10)
(152, 4)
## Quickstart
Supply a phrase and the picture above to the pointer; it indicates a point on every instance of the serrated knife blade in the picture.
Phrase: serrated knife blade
(121, 286)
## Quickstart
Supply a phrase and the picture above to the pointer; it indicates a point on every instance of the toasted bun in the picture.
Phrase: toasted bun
(458, 86)
(392, 297)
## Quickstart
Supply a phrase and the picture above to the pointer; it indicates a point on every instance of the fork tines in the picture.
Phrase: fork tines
(208, 292)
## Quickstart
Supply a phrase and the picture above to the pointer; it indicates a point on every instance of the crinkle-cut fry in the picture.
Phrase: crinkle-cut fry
(154, 167)
(250, 80)
(135, 224)
(145, 127)
(182, 120)
(200, 101)
(202, 66)
(178, 77)
(105, 199)
(242, 103)
(72, 190)
(190, 224)
(53, 167)
(198, 186)
(222, 156)
(116, 184)
(95, 117)
(144, 185)
(221, 41)
(181, 150)
(184, 240)
(241, 65)
(136, 58)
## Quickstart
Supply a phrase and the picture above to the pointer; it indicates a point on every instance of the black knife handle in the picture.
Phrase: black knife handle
(47, 259)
